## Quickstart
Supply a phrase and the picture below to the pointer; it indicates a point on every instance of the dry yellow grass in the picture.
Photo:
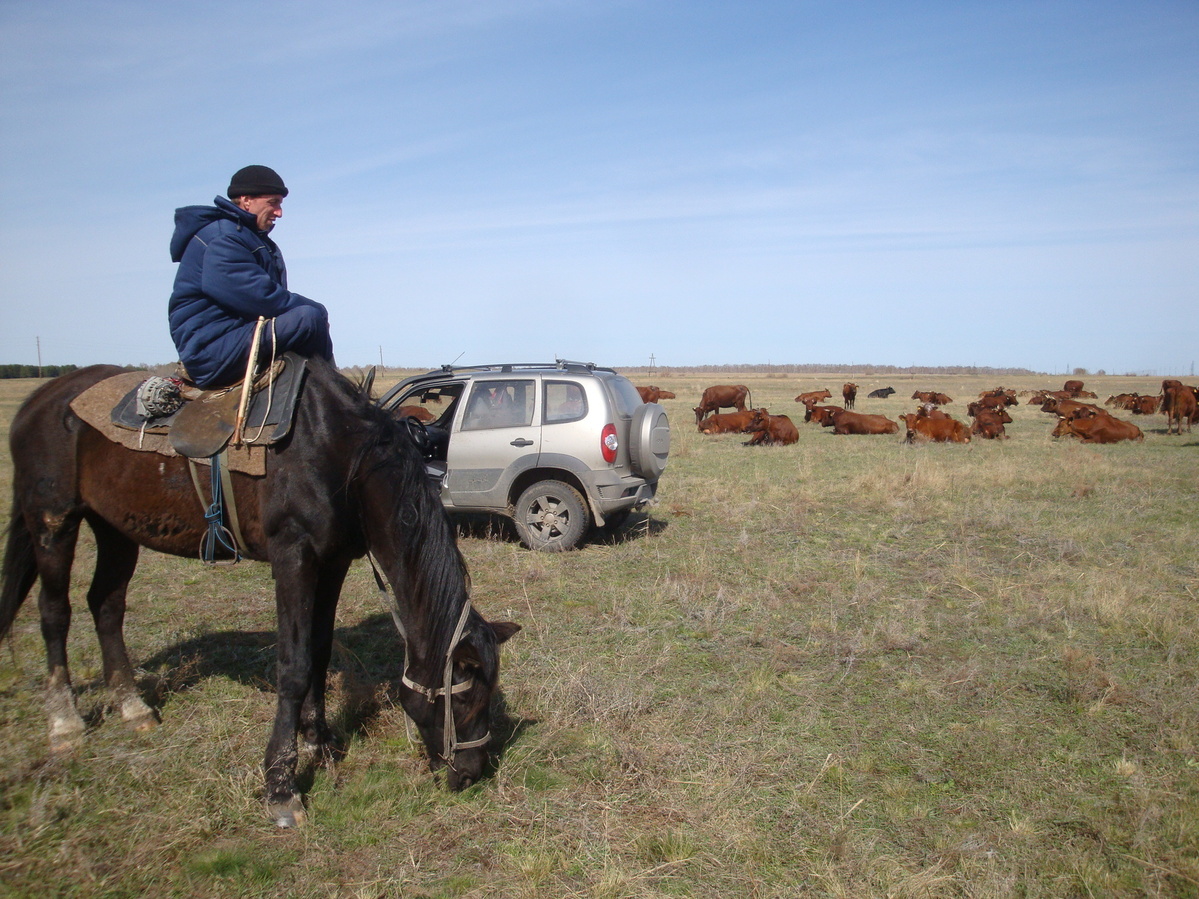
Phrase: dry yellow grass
(849, 667)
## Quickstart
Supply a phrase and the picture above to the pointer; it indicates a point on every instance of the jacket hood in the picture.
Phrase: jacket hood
(189, 220)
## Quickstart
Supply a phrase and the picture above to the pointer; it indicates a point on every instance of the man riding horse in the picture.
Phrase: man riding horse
(230, 275)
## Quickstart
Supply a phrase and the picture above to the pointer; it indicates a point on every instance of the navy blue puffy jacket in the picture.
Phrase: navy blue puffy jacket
(229, 274)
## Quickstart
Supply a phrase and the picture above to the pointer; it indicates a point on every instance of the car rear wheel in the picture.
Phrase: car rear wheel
(551, 516)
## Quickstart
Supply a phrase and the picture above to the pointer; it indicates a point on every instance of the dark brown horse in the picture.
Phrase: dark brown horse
(347, 480)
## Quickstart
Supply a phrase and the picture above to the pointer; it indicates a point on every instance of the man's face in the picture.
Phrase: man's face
(266, 209)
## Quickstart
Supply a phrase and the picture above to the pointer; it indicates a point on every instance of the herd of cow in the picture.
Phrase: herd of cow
(1075, 418)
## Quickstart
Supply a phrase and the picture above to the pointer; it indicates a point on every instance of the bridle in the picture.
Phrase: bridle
(448, 689)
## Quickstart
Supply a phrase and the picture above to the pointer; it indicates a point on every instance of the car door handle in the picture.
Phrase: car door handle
(522, 441)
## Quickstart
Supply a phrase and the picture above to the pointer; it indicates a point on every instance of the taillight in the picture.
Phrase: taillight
(609, 443)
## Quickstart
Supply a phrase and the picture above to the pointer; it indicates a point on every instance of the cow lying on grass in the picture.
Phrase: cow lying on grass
(937, 430)
(771, 430)
(1102, 428)
(844, 422)
(728, 422)
(988, 423)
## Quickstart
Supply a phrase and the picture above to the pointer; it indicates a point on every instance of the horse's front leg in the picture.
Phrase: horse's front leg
(295, 599)
(314, 727)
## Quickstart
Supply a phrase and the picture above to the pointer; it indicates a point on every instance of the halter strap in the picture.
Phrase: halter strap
(449, 732)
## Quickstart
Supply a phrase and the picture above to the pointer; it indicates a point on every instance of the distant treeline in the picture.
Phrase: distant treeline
(35, 371)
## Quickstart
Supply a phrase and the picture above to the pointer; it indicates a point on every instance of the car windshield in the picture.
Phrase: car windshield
(431, 404)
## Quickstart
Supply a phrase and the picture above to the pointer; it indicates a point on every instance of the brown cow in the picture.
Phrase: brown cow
(931, 396)
(938, 430)
(849, 393)
(994, 401)
(723, 396)
(988, 423)
(1074, 388)
(1007, 397)
(1145, 405)
(666, 395)
(771, 430)
(822, 415)
(844, 422)
(929, 410)
(1179, 404)
(1164, 396)
(1070, 408)
(420, 413)
(813, 396)
(980, 406)
(1103, 428)
(649, 394)
(727, 422)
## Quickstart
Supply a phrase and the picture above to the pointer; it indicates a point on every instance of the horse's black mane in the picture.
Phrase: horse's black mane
(431, 563)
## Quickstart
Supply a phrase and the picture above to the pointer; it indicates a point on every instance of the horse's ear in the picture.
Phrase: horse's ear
(504, 629)
(368, 381)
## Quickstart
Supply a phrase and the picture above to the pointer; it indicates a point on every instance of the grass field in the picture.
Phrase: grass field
(846, 668)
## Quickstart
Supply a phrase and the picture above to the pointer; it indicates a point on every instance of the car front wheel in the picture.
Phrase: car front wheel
(551, 516)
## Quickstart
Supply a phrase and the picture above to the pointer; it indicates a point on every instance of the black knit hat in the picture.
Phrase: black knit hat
(256, 181)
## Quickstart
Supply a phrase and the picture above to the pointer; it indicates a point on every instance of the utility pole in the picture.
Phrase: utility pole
(39, 357)
(380, 355)
(651, 364)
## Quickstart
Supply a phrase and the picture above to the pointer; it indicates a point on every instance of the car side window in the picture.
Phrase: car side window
(564, 401)
(499, 404)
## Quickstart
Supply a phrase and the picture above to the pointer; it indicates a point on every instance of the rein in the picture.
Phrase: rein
(449, 730)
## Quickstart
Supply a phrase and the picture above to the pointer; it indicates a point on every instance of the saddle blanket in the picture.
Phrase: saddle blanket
(114, 400)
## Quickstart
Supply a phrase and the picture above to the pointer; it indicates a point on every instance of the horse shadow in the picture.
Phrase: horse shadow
(365, 673)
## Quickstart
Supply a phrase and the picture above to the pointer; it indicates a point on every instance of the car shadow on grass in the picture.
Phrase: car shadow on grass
(484, 526)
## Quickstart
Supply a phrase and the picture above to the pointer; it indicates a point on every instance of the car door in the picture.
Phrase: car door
(497, 434)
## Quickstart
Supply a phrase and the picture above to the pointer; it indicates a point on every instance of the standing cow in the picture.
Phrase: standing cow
(849, 392)
(1179, 405)
(727, 396)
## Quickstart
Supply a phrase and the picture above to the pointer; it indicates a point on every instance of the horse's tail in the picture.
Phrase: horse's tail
(19, 571)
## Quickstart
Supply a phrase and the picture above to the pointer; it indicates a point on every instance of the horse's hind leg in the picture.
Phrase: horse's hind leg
(116, 559)
(54, 549)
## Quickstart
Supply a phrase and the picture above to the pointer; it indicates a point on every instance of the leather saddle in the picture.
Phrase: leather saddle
(208, 418)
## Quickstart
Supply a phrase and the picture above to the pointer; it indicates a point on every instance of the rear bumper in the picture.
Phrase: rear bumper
(621, 495)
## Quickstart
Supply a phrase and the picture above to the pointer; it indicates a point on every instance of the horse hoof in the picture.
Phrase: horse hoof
(138, 716)
(63, 745)
(288, 814)
(66, 735)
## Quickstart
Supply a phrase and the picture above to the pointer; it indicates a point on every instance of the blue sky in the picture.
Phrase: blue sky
(926, 183)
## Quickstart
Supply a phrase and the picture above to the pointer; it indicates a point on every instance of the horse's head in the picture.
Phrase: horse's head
(452, 662)
(457, 738)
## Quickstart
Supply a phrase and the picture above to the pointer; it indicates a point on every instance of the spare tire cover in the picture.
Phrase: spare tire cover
(649, 441)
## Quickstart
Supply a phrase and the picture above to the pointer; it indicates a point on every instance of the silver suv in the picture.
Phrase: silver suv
(557, 448)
